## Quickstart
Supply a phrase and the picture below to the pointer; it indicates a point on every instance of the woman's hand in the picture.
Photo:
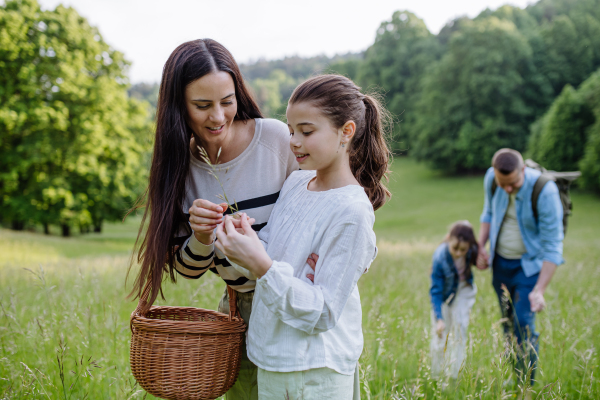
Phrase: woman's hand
(204, 218)
(244, 248)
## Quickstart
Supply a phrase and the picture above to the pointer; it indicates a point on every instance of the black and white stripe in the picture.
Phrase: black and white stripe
(253, 181)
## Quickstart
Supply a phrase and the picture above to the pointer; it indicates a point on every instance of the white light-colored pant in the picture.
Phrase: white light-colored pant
(456, 317)
(246, 386)
(317, 384)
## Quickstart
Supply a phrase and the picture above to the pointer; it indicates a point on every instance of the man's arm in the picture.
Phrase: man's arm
(550, 215)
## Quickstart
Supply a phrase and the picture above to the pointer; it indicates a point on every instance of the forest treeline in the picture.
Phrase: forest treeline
(511, 77)
(75, 137)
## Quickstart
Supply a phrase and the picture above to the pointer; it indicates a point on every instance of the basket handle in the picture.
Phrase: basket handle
(141, 303)
(231, 294)
(233, 310)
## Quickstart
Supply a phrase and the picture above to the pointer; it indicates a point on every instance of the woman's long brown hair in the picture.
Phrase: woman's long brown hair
(340, 100)
(171, 157)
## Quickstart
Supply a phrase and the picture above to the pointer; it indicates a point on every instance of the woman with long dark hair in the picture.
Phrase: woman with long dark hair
(207, 126)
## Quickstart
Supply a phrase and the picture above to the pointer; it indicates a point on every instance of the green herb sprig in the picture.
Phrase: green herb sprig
(233, 207)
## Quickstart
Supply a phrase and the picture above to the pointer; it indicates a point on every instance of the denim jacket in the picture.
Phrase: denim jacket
(542, 239)
(444, 277)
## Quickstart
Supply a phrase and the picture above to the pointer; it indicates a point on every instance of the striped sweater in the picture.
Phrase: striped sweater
(253, 180)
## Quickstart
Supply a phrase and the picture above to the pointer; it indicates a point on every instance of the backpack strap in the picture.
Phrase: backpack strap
(537, 189)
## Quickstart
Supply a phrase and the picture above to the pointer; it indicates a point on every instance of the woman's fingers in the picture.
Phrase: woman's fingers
(205, 215)
(311, 277)
(206, 209)
(202, 220)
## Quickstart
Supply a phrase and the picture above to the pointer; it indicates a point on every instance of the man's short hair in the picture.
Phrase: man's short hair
(507, 160)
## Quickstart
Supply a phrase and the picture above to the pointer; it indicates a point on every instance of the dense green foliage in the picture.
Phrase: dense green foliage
(145, 91)
(558, 139)
(476, 86)
(77, 301)
(590, 163)
(72, 143)
(482, 95)
(403, 49)
(567, 137)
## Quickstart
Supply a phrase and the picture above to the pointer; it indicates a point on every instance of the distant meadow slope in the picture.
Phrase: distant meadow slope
(63, 306)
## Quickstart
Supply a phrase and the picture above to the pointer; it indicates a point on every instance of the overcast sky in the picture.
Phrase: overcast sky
(147, 31)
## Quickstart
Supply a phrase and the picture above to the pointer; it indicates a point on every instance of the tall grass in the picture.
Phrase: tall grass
(64, 318)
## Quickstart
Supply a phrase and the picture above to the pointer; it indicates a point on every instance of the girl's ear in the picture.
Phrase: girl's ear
(348, 131)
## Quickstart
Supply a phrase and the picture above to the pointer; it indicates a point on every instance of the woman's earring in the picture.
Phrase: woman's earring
(343, 144)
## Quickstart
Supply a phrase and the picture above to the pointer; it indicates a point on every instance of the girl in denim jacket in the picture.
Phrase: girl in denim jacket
(452, 297)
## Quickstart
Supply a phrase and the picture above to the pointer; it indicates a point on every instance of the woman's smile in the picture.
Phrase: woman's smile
(216, 130)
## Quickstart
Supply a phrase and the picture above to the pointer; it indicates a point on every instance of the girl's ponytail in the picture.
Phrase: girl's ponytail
(341, 101)
(369, 153)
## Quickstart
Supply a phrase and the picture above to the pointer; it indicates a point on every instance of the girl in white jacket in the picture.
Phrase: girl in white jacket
(305, 333)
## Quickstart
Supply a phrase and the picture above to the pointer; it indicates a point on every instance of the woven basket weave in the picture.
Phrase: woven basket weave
(186, 353)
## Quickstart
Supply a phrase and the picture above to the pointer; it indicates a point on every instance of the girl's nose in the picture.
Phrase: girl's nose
(294, 142)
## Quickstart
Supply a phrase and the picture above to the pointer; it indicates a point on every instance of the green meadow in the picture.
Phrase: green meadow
(64, 315)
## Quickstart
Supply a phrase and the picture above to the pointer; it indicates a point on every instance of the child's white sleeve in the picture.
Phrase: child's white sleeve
(348, 248)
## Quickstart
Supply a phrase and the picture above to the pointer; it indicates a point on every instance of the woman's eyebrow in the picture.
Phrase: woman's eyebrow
(208, 101)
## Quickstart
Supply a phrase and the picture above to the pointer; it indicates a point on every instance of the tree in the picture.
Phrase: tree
(590, 163)
(71, 141)
(567, 44)
(482, 95)
(396, 62)
(559, 137)
(273, 93)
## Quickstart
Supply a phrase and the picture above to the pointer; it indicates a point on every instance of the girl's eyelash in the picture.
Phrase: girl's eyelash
(228, 103)
(202, 107)
(304, 133)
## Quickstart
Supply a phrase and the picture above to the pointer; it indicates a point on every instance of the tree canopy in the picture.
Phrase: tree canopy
(72, 143)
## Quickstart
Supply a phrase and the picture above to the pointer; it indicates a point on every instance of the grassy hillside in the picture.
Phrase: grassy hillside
(66, 298)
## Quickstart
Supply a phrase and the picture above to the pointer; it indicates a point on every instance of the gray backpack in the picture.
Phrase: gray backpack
(562, 179)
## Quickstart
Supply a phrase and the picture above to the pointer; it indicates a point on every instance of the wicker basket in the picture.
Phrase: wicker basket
(186, 353)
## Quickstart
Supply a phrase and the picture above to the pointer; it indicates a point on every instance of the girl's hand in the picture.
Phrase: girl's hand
(204, 218)
(440, 327)
(243, 249)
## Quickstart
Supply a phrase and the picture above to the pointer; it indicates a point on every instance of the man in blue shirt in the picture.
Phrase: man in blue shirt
(524, 250)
